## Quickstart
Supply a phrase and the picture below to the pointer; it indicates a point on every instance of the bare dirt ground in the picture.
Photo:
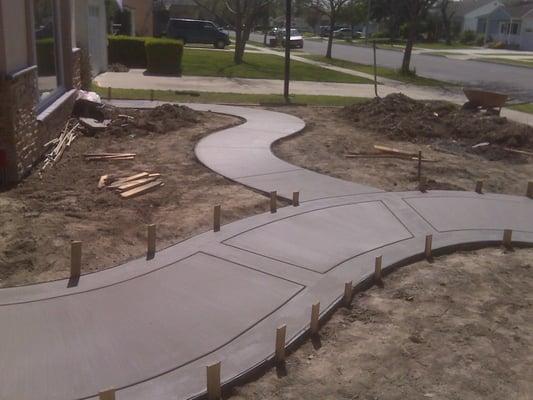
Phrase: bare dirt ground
(459, 328)
(331, 133)
(40, 217)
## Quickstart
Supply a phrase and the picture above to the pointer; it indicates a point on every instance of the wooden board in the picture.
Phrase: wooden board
(122, 181)
(141, 189)
(92, 155)
(392, 150)
(134, 184)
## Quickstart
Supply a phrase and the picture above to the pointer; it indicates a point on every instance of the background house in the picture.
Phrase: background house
(40, 72)
(141, 14)
(509, 22)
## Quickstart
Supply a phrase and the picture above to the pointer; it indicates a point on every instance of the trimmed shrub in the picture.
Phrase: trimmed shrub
(46, 60)
(127, 50)
(468, 37)
(164, 56)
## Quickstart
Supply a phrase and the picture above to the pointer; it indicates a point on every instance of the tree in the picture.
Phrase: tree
(331, 9)
(415, 9)
(354, 13)
(447, 17)
(242, 14)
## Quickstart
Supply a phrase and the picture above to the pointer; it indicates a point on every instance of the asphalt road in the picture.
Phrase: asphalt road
(516, 81)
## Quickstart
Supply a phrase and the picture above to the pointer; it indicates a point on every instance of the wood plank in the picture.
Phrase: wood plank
(392, 150)
(397, 156)
(141, 190)
(527, 153)
(134, 184)
(122, 181)
(110, 155)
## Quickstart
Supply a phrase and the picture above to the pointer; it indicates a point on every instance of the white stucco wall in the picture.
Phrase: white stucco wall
(14, 26)
(91, 31)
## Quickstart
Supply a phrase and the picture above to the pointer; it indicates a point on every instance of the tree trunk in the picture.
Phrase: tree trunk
(330, 37)
(406, 64)
(446, 24)
(239, 51)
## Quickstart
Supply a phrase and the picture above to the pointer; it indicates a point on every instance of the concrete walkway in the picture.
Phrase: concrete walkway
(149, 327)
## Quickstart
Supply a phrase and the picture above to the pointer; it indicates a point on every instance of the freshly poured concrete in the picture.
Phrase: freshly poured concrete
(149, 328)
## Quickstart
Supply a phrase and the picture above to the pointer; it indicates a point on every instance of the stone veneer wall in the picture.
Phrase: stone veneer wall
(19, 122)
(22, 136)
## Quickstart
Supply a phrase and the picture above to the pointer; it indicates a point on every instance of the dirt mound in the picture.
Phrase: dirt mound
(160, 120)
(402, 118)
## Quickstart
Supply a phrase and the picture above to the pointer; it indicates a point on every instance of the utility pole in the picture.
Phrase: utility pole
(287, 49)
(369, 7)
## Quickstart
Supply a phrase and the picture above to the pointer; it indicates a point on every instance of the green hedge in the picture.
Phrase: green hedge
(127, 50)
(46, 60)
(164, 56)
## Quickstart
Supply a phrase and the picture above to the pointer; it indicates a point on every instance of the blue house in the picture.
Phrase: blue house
(500, 21)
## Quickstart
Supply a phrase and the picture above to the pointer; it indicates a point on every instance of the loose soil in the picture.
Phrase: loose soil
(460, 328)
(44, 213)
(404, 119)
(331, 133)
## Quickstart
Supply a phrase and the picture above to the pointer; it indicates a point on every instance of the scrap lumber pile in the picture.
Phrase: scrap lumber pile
(68, 134)
(131, 186)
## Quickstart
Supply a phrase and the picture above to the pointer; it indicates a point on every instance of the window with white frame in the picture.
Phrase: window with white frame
(47, 49)
(509, 28)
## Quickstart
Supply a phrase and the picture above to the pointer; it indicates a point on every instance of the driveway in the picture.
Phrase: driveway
(517, 81)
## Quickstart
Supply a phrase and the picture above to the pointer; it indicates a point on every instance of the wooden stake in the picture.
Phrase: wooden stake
(151, 240)
(296, 199)
(214, 391)
(109, 93)
(216, 218)
(419, 165)
(530, 190)
(479, 187)
(273, 202)
(75, 259)
(280, 344)
(422, 185)
(348, 294)
(152, 95)
(108, 394)
(315, 313)
(429, 247)
(378, 277)
(508, 238)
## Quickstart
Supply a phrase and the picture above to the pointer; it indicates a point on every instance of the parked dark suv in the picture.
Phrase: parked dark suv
(196, 31)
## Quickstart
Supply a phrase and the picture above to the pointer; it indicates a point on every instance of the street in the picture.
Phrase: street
(515, 81)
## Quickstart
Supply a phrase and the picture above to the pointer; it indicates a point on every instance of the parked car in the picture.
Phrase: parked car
(296, 41)
(197, 31)
(343, 33)
(324, 30)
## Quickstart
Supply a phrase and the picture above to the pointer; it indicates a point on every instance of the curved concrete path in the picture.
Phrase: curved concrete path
(149, 328)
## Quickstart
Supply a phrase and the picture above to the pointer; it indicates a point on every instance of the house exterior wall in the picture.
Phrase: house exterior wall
(471, 19)
(23, 131)
(91, 35)
(14, 23)
(526, 39)
(143, 16)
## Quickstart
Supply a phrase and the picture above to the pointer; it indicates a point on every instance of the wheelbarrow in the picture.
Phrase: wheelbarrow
(492, 102)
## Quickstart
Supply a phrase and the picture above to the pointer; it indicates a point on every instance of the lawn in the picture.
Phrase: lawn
(230, 98)
(382, 71)
(516, 63)
(266, 66)
(527, 107)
